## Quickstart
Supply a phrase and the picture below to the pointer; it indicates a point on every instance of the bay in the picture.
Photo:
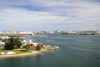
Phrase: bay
(75, 51)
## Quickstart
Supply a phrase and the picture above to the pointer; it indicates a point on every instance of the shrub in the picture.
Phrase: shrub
(24, 47)
(38, 47)
(27, 48)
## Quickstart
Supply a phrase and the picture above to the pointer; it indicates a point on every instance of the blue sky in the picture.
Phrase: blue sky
(38, 15)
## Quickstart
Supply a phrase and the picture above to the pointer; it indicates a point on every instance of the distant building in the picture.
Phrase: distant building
(51, 32)
(46, 31)
(4, 37)
(71, 32)
(98, 31)
(0, 33)
(57, 31)
(12, 32)
(24, 33)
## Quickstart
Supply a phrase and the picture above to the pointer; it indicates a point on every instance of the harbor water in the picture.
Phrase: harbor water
(75, 51)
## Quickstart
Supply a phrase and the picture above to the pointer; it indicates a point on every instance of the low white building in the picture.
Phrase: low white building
(4, 37)
(34, 44)
(30, 42)
(2, 44)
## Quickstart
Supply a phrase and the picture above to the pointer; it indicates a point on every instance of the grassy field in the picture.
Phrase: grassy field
(16, 51)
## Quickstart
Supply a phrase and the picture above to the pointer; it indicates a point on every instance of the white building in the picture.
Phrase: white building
(71, 32)
(24, 33)
(4, 37)
(2, 44)
(24, 43)
(34, 44)
(12, 32)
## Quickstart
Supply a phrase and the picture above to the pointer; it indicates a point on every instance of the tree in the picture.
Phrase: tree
(17, 42)
(10, 44)
(0, 38)
(13, 43)
(38, 47)
(27, 48)
(4, 40)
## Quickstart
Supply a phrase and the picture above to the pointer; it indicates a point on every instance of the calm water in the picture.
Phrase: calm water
(75, 51)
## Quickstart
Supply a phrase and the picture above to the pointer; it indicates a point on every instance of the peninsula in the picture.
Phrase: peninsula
(15, 47)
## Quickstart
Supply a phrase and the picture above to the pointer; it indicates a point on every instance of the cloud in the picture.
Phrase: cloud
(23, 15)
(58, 14)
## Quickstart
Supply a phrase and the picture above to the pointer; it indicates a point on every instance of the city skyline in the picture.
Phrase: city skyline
(33, 15)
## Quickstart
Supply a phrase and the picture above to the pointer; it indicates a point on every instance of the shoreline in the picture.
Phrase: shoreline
(23, 54)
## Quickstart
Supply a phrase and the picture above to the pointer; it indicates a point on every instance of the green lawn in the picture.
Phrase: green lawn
(16, 51)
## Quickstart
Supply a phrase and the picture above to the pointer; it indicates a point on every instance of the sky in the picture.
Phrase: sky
(40, 15)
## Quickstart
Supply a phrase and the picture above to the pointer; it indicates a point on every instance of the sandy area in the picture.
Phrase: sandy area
(24, 54)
